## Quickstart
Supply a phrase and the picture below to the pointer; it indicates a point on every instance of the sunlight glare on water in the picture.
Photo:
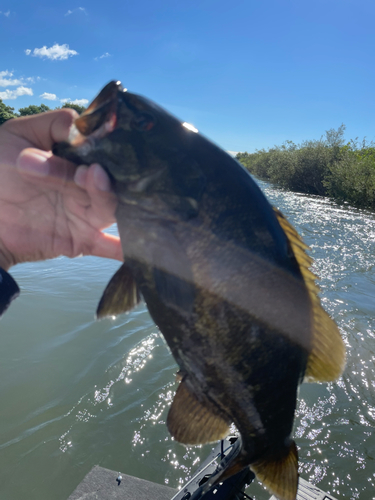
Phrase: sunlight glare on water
(335, 422)
(76, 393)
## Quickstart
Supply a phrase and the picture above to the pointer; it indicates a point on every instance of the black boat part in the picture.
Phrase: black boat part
(8, 290)
(200, 486)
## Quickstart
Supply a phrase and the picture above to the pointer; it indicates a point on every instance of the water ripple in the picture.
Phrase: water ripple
(76, 393)
(335, 422)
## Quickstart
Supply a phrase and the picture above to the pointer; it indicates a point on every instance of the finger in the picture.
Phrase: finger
(97, 179)
(43, 166)
(93, 178)
(44, 129)
(98, 188)
(80, 176)
(107, 246)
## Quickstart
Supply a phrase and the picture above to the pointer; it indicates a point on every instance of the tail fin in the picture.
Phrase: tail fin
(280, 476)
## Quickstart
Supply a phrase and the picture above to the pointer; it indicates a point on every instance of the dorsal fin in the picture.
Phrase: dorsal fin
(120, 295)
(191, 421)
(326, 360)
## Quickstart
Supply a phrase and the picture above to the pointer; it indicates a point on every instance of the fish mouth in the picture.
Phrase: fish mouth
(101, 110)
(111, 109)
(106, 111)
(100, 118)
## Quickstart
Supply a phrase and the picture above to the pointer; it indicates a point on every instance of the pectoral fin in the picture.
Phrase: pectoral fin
(120, 295)
(279, 476)
(191, 421)
(8, 290)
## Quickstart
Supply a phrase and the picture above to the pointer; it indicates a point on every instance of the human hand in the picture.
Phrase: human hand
(48, 207)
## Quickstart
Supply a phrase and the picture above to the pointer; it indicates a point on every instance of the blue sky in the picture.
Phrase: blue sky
(248, 74)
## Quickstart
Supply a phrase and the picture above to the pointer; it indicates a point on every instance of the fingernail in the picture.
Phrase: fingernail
(33, 163)
(80, 176)
(101, 179)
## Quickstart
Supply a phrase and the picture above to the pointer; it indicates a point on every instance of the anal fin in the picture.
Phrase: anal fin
(279, 476)
(191, 421)
(121, 294)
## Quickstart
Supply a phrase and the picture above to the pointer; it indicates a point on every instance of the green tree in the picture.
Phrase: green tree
(33, 110)
(335, 138)
(77, 107)
(6, 112)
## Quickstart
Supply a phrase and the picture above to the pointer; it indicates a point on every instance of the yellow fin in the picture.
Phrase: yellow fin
(193, 422)
(121, 294)
(280, 477)
(326, 360)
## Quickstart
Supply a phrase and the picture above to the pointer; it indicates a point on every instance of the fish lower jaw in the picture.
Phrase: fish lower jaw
(83, 146)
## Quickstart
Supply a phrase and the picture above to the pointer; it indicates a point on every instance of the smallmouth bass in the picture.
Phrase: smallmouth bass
(224, 276)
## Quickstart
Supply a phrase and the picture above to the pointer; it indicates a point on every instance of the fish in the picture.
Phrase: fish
(224, 275)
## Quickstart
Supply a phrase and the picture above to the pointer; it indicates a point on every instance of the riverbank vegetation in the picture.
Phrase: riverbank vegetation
(329, 166)
(7, 112)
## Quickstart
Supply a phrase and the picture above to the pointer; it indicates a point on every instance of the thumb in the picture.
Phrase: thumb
(44, 129)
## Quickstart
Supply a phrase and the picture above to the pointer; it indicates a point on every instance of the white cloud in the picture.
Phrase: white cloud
(32, 79)
(13, 94)
(55, 53)
(80, 102)
(107, 54)
(49, 97)
(7, 82)
(81, 9)
(6, 14)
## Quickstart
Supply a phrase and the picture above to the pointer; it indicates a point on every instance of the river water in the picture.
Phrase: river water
(75, 392)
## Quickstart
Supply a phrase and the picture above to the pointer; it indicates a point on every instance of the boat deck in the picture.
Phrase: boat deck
(306, 491)
(101, 484)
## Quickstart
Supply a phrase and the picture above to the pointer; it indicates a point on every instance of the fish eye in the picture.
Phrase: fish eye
(142, 122)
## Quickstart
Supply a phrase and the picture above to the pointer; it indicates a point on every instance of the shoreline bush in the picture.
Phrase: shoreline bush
(325, 167)
(7, 112)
